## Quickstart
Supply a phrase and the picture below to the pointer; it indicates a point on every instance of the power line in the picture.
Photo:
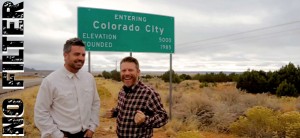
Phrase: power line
(214, 43)
(249, 31)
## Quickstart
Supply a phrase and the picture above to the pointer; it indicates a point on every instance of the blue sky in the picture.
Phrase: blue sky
(209, 35)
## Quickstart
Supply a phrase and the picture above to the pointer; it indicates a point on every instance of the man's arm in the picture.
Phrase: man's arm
(42, 118)
(160, 117)
(95, 111)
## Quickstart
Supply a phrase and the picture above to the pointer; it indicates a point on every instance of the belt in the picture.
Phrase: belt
(76, 135)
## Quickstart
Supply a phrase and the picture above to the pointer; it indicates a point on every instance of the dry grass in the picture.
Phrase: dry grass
(214, 108)
(207, 110)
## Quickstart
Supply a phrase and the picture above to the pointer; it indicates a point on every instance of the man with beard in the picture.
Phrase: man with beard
(139, 108)
(68, 103)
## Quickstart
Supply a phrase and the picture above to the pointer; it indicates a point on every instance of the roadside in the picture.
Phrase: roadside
(28, 82)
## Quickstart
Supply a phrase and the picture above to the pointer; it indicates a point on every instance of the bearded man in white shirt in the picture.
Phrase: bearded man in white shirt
(68, 103)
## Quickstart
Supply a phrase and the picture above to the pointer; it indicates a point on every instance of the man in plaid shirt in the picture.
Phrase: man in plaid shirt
(139, 108)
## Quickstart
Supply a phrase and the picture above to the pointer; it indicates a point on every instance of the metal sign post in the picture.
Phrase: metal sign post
(170, 93)
(89, 62)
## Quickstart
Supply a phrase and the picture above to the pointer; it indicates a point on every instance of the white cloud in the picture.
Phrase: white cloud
(49, 23)
(58, 9)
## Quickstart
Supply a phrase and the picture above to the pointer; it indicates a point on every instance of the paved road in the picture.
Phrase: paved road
(28, 83)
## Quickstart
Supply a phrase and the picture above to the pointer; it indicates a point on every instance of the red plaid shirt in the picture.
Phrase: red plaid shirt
(145, 99)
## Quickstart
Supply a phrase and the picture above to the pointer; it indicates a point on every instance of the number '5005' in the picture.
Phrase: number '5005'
(165, 39)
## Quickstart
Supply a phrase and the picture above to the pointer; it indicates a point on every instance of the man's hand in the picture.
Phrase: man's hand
(139, 117)
(88, 134)
(109, 113)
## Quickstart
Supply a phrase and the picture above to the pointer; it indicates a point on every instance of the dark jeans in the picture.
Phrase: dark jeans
(76, 135)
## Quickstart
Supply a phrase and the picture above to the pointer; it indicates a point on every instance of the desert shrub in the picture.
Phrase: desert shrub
(229, 97)
(287, 104)
(106, 74)
(202, 112)
(170, 133)
(289, 124)
(298, 104)
(196, 77)
(185, 77)
(293, 130)
(216, 109)
(176, 125)
(253, 81)
(258, 122)
(268, 101)
(222, 118)
(213, 77)
(260, 81)
(188, 86)
(197, 107)
(189, 134)
(290, 73)
(176, 98)
(115, 75)
(286, 89)
(263, 99)
(191, 123)
(148, 76)
(175, 77)
(204, 84)
(226, 110)
(103, 92)
(246, 101)
(249, 100)
(214, 84)
(264, 122)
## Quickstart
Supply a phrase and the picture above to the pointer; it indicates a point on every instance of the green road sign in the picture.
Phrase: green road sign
(111, 30)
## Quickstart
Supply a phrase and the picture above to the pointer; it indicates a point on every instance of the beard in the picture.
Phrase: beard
(77, 64)
(129, 80)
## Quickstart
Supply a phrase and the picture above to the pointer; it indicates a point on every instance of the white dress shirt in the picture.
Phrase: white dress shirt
(68, 102)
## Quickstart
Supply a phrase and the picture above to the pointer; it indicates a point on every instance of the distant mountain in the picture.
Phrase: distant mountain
(25, 69)
(29, 69)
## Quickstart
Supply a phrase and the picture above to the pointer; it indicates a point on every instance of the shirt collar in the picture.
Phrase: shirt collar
(134, 87)
(70, 74)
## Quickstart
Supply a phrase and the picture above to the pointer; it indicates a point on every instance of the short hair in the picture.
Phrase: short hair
(73, 41)
(132, 60)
